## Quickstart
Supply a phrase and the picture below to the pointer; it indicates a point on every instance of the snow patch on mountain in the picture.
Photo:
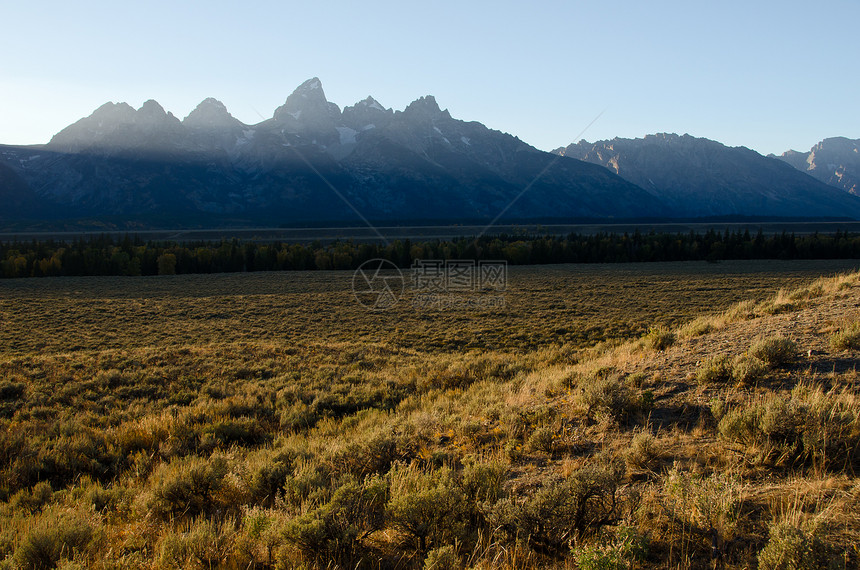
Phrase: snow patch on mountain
(347, 135)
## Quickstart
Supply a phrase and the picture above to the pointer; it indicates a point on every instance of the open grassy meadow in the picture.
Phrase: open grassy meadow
(664, 415)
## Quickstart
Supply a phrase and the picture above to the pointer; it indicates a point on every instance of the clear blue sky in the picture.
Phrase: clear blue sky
(768, 75)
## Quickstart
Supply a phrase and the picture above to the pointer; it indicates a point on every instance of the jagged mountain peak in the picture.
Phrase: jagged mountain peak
(152, 113)
(311, 86)
(211, 104)
(427, 103)
(88, 130)
(834, 161)
(111, 109)
(425, 109)
(843, 143)
(307, 102)
(151, 106)
(366, 114)
(371, 103)
(210, 114)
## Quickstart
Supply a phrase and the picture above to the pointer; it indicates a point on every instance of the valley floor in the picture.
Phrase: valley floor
(684, 415)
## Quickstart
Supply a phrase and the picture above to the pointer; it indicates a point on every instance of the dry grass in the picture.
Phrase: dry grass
(265, 421)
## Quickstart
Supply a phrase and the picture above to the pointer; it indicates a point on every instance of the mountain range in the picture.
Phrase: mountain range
(834, 161)
(313, 162)
(696, 177)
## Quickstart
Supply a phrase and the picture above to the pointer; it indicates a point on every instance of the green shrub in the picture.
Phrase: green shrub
(608, 395)
(790, 548)
(443, 558)
(715, 369)
(806, 426)
(428, 506)
(846, 338)
(775, 351)
(482, 482)
(614, 553)
(659, 339)
(599, 557)
(332, 532)
(542, 439)
(187, 487)
(643, 450)
(33, 499)
(55, 538)
(563, 510)
(747, 370)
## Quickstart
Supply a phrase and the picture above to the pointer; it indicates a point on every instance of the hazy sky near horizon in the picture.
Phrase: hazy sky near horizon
(767, 75)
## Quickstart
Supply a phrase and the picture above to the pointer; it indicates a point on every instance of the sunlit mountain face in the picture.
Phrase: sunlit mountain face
(834, 161)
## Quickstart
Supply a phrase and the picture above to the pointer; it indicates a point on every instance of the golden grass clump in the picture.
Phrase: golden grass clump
(847, 337)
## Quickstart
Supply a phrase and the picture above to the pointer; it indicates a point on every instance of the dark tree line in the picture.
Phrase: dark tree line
(130, 255)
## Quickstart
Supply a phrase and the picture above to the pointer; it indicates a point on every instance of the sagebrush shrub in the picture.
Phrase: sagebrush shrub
(698, 327)
(332, 532)
(482, 482)
(563, 510)
(11, 390)
(791, 548)
(428, 506)
(609, 395)
(268, 480)
(775, 351)
(643, 451)
(443, 558)
(806, 426)
(31, 500)
(747, 370)
(542, 439)
(56, 537)
(846, 338)
(659, 339)
(715, 369)
(702, 506)
(298, 417)
(187, 487)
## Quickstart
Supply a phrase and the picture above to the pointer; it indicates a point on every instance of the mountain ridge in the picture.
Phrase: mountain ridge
(312, 160)
(418, 163)
(834, 161)
(697, 177)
